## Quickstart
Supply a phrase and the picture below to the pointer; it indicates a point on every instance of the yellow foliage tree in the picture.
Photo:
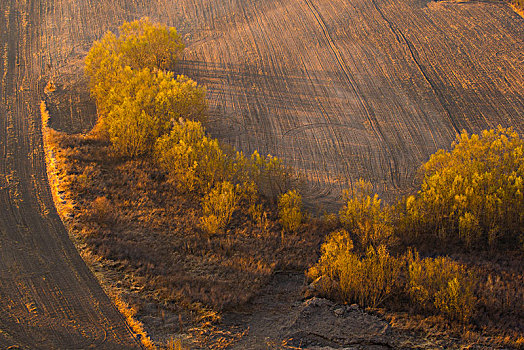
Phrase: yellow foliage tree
(141, 44)
(193, 159)
(144, 44)
(219, 205)
(136, 98)
(290, 210)
(368, 280)
(441, 284)
(474, 193)
(142, 108)
(365, 216)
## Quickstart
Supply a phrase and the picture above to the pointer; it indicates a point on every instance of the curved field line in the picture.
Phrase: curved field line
(343, 66)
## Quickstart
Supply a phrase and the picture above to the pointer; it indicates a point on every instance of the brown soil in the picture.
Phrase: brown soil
(237, 289)
(279, 318)
(49, 298)
(338, 89)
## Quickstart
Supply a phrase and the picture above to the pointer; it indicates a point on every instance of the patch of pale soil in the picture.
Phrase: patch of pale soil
(279, 319)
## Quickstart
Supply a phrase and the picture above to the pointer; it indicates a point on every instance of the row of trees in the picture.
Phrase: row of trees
(470, 198)
(147, 111)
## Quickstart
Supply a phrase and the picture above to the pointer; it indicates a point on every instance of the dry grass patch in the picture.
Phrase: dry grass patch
(133, 217)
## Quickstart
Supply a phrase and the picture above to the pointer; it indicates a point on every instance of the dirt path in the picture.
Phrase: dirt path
(279, 319)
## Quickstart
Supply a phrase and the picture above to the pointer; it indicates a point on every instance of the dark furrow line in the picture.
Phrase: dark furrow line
(370, 116)
(414, 56)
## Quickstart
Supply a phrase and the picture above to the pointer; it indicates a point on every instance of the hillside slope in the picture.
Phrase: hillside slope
(340, 89)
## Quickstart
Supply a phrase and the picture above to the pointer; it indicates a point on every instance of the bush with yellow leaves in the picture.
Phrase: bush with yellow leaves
(290, 210)
(136, 97)
(473, 194)
(367, 279)
(366, 217)
(218, 206)
(141, 44)
(195, 160)
(441, 284)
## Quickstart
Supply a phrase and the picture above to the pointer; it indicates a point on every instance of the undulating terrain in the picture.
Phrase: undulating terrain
(339, 89)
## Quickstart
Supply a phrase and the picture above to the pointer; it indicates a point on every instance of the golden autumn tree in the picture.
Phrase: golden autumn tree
(144, 44)
(193, 159)
(366, 216)
(137, 97)
(473, 193)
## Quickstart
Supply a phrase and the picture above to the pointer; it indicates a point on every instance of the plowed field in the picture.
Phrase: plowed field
(340, 89)
(349, 89)
(49, 299)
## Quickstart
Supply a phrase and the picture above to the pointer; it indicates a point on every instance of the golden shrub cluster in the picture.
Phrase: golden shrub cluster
(193, 159)
(137, 98)
(367, 279)
(473, 194)
(370, 278)
(219, 205)
(199, 164)
(442, 284)
(290, 210)
(366, 216)
(146, 110)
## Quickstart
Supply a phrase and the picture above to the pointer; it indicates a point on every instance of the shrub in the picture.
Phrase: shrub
(255, 208)
(368, 280)
(432, 284)
(141, 44)
(441, 284)
(141, 109)
(136, 99)
(366, 217)
(218, 207)
(194, 160)
(103, 210)
(474, 193)
(144, 44)
(102, 67)
(290, 210)
(270, 175)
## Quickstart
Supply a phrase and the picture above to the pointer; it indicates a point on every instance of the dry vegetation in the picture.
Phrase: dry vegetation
(209, 214)
(272, 98)
(185, 223)
(134, 218)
